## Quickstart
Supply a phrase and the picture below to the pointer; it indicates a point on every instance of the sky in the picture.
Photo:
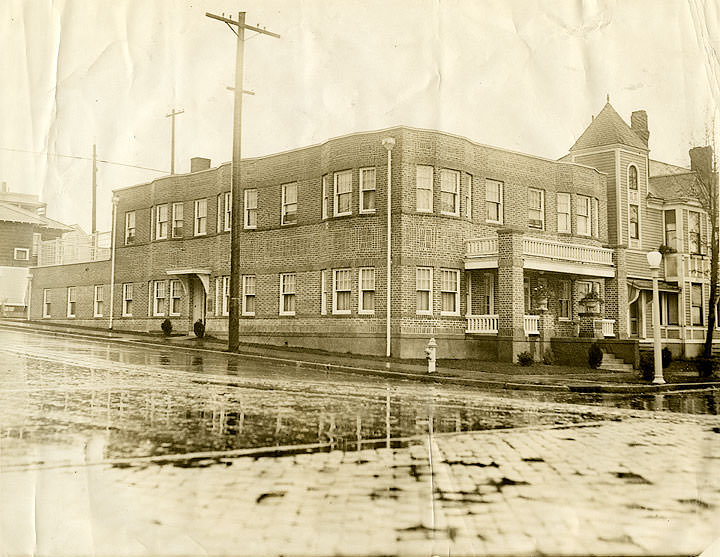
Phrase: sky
(518, 74)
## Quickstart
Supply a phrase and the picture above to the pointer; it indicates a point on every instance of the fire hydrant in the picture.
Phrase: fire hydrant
(431, 355)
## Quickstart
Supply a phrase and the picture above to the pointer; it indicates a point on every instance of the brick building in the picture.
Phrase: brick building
(493, 252)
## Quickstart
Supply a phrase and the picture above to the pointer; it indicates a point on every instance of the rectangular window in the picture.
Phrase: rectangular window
(343, 193)
(596, 217)
(71, 301)
(634, 223)
(536, 209)
(449, 192)
(325, 196)
(47, 306)
(222, 296)
(219, 214)
(248, 295)
(494, 201)
(468, 197)
(488, 295)
(563, 212)
(227, 214)
(159, 298)
(177, 220)
(366, 291)
(450, 289)
(161, 222)
(200, 217)
(671, 229)
(323, 293)
(251, 206)
(289, 204)
(127, 294)
(21, 254)
(36, 241)
(564, 294)
(287, 294)
(129, 228)
(582, 221)
(424, 188)
(423, 289)
(694, 243)
(341, 291)
(367, 190)
(175, 295)
(696, 301)
(98, 299)
(669, 308)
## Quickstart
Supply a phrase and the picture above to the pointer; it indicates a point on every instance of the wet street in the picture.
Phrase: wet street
(119, 448)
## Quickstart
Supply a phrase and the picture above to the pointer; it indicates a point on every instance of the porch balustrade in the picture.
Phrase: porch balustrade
(479, 247)
(531, 324)
(567, 252)
(608, 327)
(63, 251)
(697, 266)
(487, 324)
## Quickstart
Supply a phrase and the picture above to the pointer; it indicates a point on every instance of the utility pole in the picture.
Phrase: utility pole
(234, 318)
(172, 115)
(94, 189)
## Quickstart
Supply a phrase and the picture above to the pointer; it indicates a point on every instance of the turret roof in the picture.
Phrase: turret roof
(608, 128)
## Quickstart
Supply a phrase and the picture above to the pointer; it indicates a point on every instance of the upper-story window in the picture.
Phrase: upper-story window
(177, 220)
(563, 212)
(227, 214)
(325, 196)
(633, 177)
(367, 190)
(219, 214)
(36, 241)
(200, 217)
(343, 193)
(251, 206)
(536, 208)
(289, 204)
(449, 192)
(424, 188)
(494, 201)
(129, 228)
(596, 217)
(671, 229)
(634, 222)
(582, 216)
(694, 239)
(161, 222)
(21, 254)
(468, 197)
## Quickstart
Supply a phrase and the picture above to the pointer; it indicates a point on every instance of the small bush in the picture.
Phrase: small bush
(595, 356)
(525, 358)
(707, 367)
(199, 328)
(666, 357)
(548, 357)
(647, 365)
(166, 327)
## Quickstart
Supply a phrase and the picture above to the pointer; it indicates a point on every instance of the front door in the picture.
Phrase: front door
(198, 300)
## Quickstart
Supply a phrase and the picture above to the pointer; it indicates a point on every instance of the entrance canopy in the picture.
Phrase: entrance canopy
(636, 285)
(202, 274)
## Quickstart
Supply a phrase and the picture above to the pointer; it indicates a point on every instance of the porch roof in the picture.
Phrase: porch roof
(646, 284)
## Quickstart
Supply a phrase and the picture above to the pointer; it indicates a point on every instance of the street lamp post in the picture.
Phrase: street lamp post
(654, 258)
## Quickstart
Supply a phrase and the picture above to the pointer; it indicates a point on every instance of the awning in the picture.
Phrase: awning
(644, 284)
(202, 274)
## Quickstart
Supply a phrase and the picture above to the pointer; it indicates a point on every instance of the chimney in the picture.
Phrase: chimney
(639, 124)
(4, 188)
(199, 163)
(701, 161)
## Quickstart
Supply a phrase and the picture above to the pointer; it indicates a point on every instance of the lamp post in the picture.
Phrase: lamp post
(654, 258)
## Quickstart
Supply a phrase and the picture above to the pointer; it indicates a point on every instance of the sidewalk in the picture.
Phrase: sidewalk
(471, 373)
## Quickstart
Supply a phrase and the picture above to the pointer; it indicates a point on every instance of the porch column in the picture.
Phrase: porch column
(616, 293)
(510, 298)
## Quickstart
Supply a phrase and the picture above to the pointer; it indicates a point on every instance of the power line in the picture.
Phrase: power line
(45, 153)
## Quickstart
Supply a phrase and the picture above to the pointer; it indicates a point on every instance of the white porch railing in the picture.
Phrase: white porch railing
(478, 247)
(531, 324)
(567, 252)
(608, 326)
(482, 324)
(697, 266)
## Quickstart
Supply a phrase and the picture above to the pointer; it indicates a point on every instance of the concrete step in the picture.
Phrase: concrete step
(616, 367)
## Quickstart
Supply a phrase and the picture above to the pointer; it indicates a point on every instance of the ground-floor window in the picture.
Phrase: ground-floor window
(564, 299)
(669, 308)
(366, 291)
(71, 301)
(634, 317)
(127, 294)
(222, 296)
(158, 298)
(287, 294)
(423, 289)
(175, 293)
(450, 290)
(99, 298)
(323, 289)
(696, 304)
(488, 295)
(248, 295)
(341, 291)
(47, 306)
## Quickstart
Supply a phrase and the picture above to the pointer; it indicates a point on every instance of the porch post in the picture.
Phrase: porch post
(510, 299)
(616, 293)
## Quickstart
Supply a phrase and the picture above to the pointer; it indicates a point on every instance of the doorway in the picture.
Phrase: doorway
(198, 299)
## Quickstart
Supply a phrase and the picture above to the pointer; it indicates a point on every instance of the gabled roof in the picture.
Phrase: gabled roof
(674, 186)
(13, 213)
(658, 168)
(608, 128)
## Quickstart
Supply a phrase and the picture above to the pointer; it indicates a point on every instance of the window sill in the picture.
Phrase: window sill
(366, 312)
(287, 314)
(242, 314)
(488, 221)
(449, 314)
(335, 215)
(201, 234)
(446, 214)
(249, 227)
(424, 313)
(368, 211)
(175, 314)
(341, 312)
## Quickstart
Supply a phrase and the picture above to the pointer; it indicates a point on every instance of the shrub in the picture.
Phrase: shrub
(166, 327)
(707, 367)
(595, 356)
(548, 357)
(647, 365)
(666, 357)
(525, 358)
(199, 328)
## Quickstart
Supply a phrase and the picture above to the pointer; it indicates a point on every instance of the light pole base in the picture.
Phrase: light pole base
(658, 381)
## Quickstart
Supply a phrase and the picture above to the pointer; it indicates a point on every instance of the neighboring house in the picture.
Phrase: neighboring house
(492, 250)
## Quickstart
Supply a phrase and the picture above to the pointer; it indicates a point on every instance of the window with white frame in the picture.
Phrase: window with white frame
(367, 190)
(696, 302)
(248, 295)
(71, 300)
(582, 215)
(161, 222)
(536, 208)
(289, 204)
(494, 201)
(526, 296)
(488, 295)
(222, 296)
(343, 193)
(47, 305)
(694, 239)
(596, 217)
(366, 290)
(468, 197)
(671, 229)
(634, 222)
(177, 219)
(200, 217)
(219, 214)
(563, 212)
(98, 300)
(127, 295)
(251, 206)
(21, 254)
(633, 177)
(287, 293)
(342, 287)
(449, 192)
(669, 308)
(564, 299)
(325, 196)
(450, 292)
(175, 296)
(36, 241)
(323, 292)
(424, 188)
(129, 228)
(158, 307)
(227, 213)
(423, 290)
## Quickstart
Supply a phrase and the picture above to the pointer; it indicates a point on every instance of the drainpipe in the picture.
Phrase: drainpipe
(112, 260)
(388, 143)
